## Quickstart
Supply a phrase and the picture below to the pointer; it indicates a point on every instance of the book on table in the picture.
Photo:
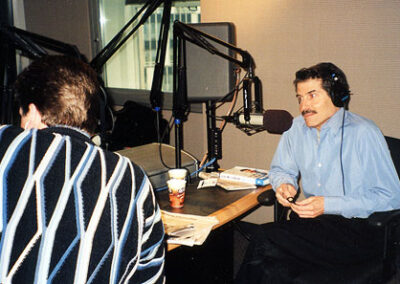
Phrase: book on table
(246, 175)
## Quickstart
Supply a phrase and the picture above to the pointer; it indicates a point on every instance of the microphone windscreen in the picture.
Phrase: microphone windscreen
(277, 121)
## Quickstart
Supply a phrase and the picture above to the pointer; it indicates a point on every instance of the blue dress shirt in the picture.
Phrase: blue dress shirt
(370, 180)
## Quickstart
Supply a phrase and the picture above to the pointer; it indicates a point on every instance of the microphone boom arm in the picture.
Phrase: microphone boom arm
(119, 39)
(198, 38)
(127, 31)
(183, 33)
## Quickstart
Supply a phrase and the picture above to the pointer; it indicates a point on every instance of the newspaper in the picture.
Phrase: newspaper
(186, 229)
(224, 183)
(234, 185)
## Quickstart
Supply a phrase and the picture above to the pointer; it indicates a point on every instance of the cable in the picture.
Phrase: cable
(206, 165)
(192, 174)
(162, 137)
(222, 100)
(341, 153)
(169, 127)
(234, 100)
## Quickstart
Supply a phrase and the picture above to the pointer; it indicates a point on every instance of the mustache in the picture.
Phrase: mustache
(304, 112)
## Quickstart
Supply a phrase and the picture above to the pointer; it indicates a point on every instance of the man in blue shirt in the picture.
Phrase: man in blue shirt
(346, 174)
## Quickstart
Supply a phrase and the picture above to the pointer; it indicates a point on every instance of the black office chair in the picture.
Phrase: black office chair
(390, 221)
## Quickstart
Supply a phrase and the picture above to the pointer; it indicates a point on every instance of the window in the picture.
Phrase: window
(132, 66)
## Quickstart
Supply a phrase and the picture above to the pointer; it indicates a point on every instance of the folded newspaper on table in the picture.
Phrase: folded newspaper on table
(227, 184)
(186, 229)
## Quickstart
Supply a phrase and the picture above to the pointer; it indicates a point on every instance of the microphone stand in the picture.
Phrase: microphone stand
(214, 138)
(180, 105)
(8, 67)
(182, 33)
(156, 93)
(258, 99)
(32, 46)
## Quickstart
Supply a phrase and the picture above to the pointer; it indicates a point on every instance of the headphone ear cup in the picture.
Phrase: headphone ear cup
(336, 96)
(339, 94)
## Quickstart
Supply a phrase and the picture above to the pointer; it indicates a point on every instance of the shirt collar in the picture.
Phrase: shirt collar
(333, 124)
(70, 131)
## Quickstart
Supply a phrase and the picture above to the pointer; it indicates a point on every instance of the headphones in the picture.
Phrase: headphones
(339, 94)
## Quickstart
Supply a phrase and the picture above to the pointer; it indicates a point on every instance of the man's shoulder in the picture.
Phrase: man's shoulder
(110, 158)
(10, 131)
(360, 123)
(363, 131)
(17, 136)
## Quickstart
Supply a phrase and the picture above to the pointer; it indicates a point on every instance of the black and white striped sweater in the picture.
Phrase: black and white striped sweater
(73, 213)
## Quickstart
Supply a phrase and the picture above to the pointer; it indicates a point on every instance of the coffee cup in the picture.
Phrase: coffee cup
(177, 173)
(176, 188)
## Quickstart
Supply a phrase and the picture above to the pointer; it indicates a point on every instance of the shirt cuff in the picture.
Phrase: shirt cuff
(277, 182)
(332, 205)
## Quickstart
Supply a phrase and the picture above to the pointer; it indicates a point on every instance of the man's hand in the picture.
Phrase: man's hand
(310, 207)
(284, 191)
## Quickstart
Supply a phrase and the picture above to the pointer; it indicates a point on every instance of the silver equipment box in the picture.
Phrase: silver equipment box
(148, 157)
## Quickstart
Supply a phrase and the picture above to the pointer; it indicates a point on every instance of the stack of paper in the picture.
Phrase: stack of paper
(228, 184)
(186, 229)
(234, 185)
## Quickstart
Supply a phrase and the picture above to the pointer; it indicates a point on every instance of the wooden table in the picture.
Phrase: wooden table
(213, 261)
(215, 201)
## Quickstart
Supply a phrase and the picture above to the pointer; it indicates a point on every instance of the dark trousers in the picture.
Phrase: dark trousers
(326, 249)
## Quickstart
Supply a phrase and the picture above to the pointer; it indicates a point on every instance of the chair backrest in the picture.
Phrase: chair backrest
(394, 147)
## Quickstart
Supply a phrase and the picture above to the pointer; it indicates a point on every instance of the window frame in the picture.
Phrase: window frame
(120, 95)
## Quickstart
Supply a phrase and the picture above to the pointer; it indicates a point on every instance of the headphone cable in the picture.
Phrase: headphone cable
(341, 152)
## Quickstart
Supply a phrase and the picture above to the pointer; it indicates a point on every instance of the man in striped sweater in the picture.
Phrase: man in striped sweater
(71, 212)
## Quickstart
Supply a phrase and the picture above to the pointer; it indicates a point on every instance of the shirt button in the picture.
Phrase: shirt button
(319, 165)
(319, 185)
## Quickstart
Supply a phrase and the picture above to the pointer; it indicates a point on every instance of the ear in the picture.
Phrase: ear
(35, 117)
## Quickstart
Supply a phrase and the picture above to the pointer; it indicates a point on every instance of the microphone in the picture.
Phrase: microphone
(275, 121)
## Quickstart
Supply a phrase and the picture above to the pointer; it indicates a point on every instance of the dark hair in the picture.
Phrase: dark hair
(64, 89)
(334, 81)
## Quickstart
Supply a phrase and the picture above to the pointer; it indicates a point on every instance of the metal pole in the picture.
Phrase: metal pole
(8, 67)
